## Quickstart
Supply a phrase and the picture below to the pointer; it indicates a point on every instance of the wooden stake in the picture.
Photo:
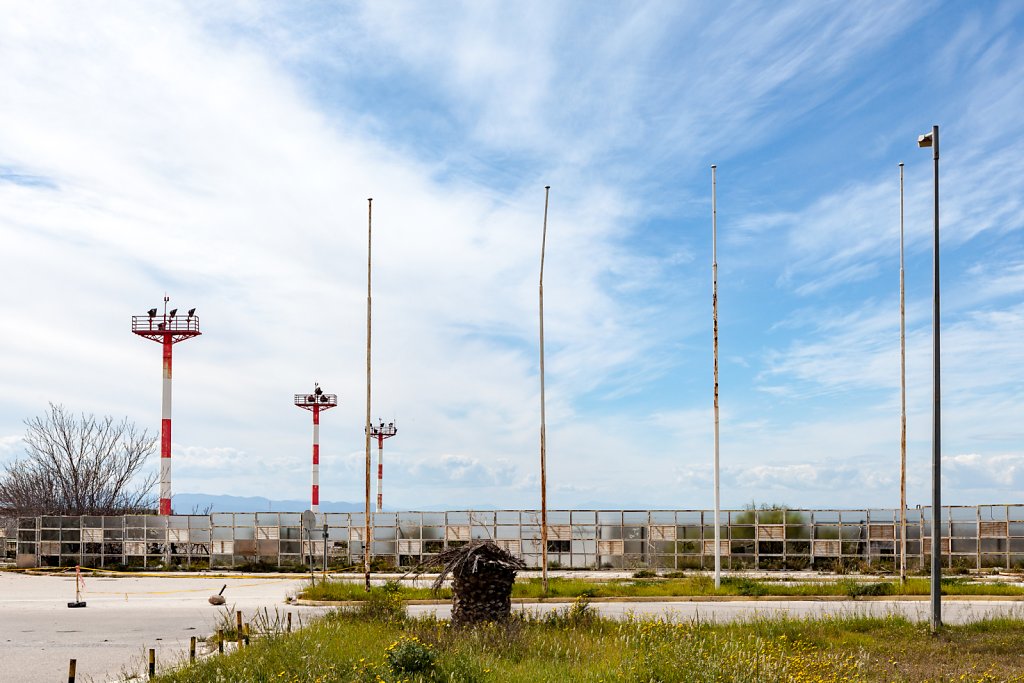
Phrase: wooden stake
(152, 662)
(72, 667)
(192, 649)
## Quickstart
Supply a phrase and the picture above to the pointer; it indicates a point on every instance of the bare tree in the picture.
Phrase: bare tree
(79, 466)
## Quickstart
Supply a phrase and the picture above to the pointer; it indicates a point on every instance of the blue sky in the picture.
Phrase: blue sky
(224, 155)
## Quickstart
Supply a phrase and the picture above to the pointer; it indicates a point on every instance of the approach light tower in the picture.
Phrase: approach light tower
(168, 329)
(316, 402)
(382, 432)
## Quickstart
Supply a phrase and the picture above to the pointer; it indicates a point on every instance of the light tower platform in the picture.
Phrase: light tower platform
(316, 402)
(168, 329)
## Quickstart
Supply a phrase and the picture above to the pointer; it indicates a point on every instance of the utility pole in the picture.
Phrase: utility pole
(368, 527)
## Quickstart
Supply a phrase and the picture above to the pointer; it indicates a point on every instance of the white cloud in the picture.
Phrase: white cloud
(11, 448)
(225, 154)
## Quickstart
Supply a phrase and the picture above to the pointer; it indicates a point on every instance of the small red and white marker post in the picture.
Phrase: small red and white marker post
(381, 432)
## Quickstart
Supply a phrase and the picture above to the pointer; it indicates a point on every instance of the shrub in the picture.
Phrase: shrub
(409, 654)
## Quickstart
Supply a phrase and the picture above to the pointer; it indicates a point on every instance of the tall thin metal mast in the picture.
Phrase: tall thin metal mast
(367, 530)
(714, 308)
(543, 420)
(903, 403)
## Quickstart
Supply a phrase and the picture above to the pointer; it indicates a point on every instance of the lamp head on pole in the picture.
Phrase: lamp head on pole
(924, 140)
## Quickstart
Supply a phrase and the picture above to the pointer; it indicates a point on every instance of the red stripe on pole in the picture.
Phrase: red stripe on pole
(380, 470)
(316, 495)
(165, 438)
(316, 454)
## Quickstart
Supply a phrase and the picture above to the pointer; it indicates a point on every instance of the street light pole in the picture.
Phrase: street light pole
(932, 140)
(714, 310)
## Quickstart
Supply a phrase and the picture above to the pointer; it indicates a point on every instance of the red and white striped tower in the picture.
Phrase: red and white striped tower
(316, 402)
(382, 432)
(168, 329)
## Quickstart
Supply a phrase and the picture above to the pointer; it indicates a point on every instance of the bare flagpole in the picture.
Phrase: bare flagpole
(714, 308)
(367, 529)
(543, 420)
(903, 403)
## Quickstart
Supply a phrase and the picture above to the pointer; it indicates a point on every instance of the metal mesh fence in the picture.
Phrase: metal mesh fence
(973, 537)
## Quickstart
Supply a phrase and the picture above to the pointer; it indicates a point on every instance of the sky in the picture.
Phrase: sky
(223, 154)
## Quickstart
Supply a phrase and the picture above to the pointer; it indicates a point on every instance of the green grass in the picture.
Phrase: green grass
(696, 585)
(377, 643)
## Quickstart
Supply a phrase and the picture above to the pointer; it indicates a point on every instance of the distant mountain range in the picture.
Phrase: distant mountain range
(197, 503)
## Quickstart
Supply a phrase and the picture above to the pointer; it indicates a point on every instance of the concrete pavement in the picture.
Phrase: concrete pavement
(124, 617)
(127, 615)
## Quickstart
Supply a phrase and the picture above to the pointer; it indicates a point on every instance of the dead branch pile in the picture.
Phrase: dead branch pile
(482, 577)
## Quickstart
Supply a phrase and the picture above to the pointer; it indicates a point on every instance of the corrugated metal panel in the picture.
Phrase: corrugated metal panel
(223, 547)
(314, 547)
(92, 535)
(993, 529)
(177, 535)
(709, 547)
(881, 532)
(828, 548)
(663, 532)
(610, 547)
(512, 545)
(927, 542)
(559, 532)
(457, 533)
(771, 532)
(410, 546)
(135, 548)
(268, 533)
